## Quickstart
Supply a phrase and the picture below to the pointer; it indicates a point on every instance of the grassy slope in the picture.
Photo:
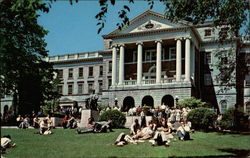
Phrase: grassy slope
(67, 144)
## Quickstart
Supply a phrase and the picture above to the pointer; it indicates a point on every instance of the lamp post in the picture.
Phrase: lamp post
(176, 100)
(116, 101)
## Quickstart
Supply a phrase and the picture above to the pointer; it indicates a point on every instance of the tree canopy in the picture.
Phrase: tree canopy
(23, 72)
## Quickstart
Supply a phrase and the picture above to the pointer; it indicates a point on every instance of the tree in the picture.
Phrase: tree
(23, 71)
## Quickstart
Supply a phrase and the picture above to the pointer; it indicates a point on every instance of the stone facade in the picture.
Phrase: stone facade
(155, 61)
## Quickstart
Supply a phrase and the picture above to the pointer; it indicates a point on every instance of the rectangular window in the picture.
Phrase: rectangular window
(208, 58)
(110, 66)
(208, 32)
(100, 86)
(207, 80)
(60, 74)
(90, 71)
(134, 56)
(60, 89)
(80, 88)
(101, 71)
(80, 72)
(70, 89)
(153, 55)
(70, 73)
(147, 56)
(172, 53)
(247, 79)
(110, 82)
(91, 88)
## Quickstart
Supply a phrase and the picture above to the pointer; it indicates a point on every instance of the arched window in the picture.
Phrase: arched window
(223, 105)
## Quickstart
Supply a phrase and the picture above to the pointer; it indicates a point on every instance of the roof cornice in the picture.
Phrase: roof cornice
(145, 32)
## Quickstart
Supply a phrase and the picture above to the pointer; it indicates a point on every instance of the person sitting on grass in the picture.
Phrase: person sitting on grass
(135, 127)
(45, 128)
(25, 123)
(36, 122)
(163, 135)
(6, 143)
(65, 121)
(183, 132)
(146, 132)
(71, 123)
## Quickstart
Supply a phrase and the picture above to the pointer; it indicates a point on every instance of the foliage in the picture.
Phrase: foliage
(117, 117)
(23, 71)
(201, 118)
(191, 102)
(234, 119)
(231, 12)
(101, 107)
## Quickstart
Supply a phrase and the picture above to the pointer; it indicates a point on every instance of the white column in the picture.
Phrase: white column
(139, 62)
(158, 61)
(178, 60)
(192, 63)
(121, 65)
(114, 56)
(187, 59)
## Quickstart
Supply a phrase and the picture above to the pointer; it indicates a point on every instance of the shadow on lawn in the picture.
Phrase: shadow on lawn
(234, 153)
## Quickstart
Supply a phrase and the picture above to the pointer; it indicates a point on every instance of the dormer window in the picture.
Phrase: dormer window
(208, 32)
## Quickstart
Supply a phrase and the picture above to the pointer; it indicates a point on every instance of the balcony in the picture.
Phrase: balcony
(169, 82)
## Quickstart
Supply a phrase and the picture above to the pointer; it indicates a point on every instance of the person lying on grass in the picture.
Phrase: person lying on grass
(6, 143)
(146, 132)
(95, 127)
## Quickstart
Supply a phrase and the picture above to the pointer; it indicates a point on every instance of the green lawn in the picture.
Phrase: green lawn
(66, 144)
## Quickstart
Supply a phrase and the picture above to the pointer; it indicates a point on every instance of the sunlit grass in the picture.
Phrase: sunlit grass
(67, 144)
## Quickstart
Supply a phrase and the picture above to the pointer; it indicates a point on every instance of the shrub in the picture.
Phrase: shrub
(234, 119)
(202, 118)
(117, 117)
(191, 102)
(101, 107)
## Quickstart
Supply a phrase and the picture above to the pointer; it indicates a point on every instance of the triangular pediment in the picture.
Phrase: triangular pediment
(148, 21)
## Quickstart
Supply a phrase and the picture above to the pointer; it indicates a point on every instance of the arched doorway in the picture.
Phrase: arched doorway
(148, 101)
(168, 100)
(128, 103)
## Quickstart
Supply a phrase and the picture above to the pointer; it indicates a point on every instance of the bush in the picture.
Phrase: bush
(117, 117)
(191, 102)
(233, 119)
(202, 118)
(101, 107)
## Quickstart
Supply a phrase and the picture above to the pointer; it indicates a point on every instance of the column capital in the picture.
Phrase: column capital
(158, 40)
(121, 45)
(178, 38)
(114, 45)
(139, 43)
(188, 37)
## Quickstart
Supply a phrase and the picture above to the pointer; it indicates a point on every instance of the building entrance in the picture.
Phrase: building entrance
(128, 103)
(168, 100)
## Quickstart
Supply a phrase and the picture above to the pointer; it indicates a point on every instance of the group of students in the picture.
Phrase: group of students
(45, 125)
(69, 121)
(159, 131)
(95, 127)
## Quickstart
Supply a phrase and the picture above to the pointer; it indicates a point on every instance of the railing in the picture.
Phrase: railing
(130, 82)
(148, 81)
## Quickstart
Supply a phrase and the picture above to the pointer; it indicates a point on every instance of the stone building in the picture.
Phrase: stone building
(154, 61)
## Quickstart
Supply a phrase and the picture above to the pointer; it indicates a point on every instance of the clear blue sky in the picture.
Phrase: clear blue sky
(72, 28)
